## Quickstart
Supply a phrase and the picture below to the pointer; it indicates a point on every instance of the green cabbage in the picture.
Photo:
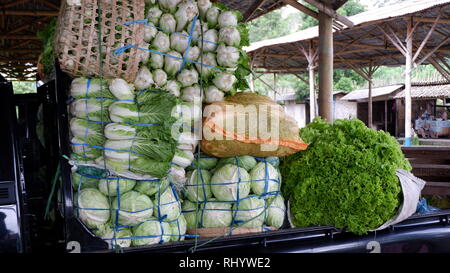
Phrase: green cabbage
(198, 185)
(262, 174)
(247, 162)
(276, 211)
(229, 181)
(134, 208)
(216, 214)
(250, 212)
(93, 207)
(190, 214)
(167, 207)
(110, 186)
(178, 228)
(151, 187)
(86, 182)
(151, 232)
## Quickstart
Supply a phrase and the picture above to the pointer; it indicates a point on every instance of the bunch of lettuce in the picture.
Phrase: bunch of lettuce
(346, 178)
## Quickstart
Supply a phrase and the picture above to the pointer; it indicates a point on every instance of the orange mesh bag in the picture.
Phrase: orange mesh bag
(249, 124)
(80, 25)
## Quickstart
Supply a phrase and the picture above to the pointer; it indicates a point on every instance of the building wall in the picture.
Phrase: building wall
(296, 111)
(344, 109)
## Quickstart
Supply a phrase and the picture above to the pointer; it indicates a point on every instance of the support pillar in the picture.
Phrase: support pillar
(325, 67)
(312, 93)
(408, 67)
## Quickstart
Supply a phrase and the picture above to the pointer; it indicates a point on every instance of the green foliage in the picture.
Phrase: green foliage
(24, 87)
(272, 25)
(46, 36)
(346, 177)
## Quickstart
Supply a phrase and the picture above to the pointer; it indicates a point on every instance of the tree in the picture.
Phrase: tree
(272, 25)
(24, 87)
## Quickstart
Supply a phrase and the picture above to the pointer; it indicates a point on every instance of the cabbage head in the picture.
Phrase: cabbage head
(204, 162)
(151, 187)
(265, 174)
(107, 233)
(110, 186)
(151, 232)
(178, 228)
(276, 211)
(167, 206)
(135, 208)
(86, 182)
(216, 214)
(247, 162)
(250, 212)
(229, 181)
(190, 214)
(198, 185)
(93, 207)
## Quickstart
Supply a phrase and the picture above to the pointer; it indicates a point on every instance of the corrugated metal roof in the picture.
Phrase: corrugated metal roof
(371, 16)
(427, 91)
(376, 92)
(282, 55)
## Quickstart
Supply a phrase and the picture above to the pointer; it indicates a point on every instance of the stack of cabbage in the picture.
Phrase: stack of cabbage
(241, 191)
(127, 162)
(201, 45)
(132, 141)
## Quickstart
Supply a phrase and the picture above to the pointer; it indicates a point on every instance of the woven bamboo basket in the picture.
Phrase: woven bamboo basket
(225, 231)
(88, 32)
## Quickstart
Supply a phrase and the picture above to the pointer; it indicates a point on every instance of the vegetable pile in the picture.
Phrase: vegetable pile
(132, 140)
(346, 178)
(241, 191)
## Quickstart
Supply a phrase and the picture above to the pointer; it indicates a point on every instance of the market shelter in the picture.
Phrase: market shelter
(389, 106)
(376, 39)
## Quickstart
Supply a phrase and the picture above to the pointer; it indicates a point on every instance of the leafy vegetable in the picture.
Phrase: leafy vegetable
(230, 183)
(345, 178)
(131, 208)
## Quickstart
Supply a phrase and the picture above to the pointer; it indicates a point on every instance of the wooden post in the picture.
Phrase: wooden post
(275, 86)
(409, 56)
(370, 108)
(385, 116)
(325, 67)
(312, 94)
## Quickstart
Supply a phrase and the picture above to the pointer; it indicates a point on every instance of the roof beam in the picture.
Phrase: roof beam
(13, 4)
(18, 37)
(49, 4)
(432, 51)
(430, 20)
(302, 8)
(425, 40)
(20, 50)
(330, 12)
(253, 8)
(30, 12)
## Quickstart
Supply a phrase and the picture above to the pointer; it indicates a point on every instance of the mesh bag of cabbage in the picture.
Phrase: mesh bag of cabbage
(87, 33)
(249, 124)
(138, 144)
(126, 212)
(180, 60)
(236, 195)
